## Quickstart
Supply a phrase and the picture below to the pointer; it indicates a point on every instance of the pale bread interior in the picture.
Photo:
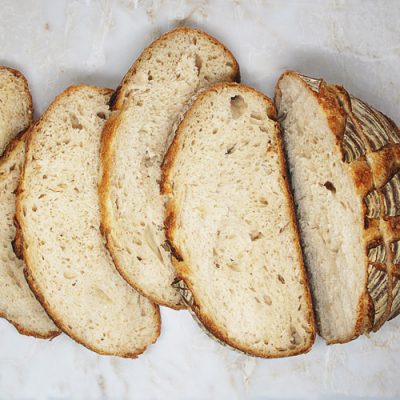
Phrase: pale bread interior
(329, 211)
(17, 302)
(234, 226)
(163, 81)
(59, 215)
(15, 105)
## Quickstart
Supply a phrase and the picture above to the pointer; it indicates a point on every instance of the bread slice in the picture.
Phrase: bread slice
(150, 99)
(67, 264)
(332, 179)
(17, 303)
(230, 220)
(15, 105)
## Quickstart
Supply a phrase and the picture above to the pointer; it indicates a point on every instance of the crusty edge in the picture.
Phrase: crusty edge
(109, 130)
(28, 267)
(105, 212)
(170, 224)
(117, 100)
(9, 151)
(336, 118)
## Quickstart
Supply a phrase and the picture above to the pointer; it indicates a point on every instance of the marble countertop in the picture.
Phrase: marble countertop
(59, 43)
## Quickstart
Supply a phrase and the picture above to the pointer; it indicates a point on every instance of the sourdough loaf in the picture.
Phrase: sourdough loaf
(230, 220)
(335, 184)
(67, 264)
(135, 139)
(15, 105)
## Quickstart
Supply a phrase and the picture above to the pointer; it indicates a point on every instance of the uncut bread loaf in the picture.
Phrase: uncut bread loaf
(17, 303)
(230, 220)
(67, 264)
(135, 139)
(15, 105)
(336, 177)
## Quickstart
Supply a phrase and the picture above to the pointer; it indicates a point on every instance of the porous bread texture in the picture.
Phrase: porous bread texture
(230, 220)
(15, 105)
(329, 195)
(17, 302)
(151, 97)
(67, 264)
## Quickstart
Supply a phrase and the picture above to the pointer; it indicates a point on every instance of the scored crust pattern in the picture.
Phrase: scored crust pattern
(368, 132)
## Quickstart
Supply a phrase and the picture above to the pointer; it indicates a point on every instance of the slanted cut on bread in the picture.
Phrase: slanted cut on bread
(15, 105)
(67, 264)
(17, 303)
(336, 155)
(136, 137)
(230, 220)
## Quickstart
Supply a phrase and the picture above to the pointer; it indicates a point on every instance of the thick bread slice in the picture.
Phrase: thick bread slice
(135, 140)
(331, 180)
(230, 220)
(67, 264)
(17, 303)
(15, 105)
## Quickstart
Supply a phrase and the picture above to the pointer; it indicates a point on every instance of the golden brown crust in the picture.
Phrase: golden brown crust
(183, 271)
(118, 99)
(28, 267)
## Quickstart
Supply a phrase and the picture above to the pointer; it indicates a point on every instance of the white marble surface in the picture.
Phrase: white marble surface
(59, 43)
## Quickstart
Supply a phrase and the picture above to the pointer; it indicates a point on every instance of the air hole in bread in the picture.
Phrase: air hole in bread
(214, 131)
(12, 168)
(231, 149)
(75, 122)
(281, 279)
(101, 115)
(34, 208)
(198, 63)
(330, 186)
(255, 235)
(149, 76)
(238, 106)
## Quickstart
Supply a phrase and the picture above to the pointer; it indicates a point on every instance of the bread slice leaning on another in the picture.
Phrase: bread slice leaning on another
(136, 137)
(16, 108)
(67, 264)
(344, 243)
(230, 220)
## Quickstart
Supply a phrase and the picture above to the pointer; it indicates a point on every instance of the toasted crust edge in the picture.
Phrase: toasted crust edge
(28, 268)
(108, 136)
(170, 224)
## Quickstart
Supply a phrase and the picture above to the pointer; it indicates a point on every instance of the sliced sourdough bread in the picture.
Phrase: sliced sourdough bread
(17, 303)
(67, 264)
(230, 220)
(15, 105)
(344, 243)
(136, 137)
